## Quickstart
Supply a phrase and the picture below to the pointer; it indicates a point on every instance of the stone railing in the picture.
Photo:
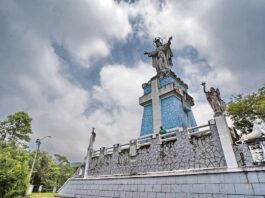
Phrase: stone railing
(144, 140)
(200, 130)
(169, 136)
(178, 149)
(95, 153)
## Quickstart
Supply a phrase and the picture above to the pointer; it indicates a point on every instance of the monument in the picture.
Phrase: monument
(166, 101)
(218, 105)
(173, 157)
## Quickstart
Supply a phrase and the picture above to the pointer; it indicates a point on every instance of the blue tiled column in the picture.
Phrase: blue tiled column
(166, 102)
(147, 120)
(173, 114)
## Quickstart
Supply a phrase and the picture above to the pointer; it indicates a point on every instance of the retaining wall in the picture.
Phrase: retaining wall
(183, 153)
(227, 183)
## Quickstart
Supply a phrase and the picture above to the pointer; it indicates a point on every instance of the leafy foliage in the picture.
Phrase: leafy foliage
(14, 171)
(245, 109)
(65, 168)
(16, 161)
(16, 128)
(49, 172)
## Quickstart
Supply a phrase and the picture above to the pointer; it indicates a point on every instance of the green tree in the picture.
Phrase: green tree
(16, 128)
(42, 169)
(52, 172)
(65, 168)
(14, 171)
(243, 110)
(15, 160)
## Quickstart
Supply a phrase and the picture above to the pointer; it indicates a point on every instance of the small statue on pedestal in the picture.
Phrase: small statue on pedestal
(258, 132)
(161, 56)
(91, 140)
(214, 98)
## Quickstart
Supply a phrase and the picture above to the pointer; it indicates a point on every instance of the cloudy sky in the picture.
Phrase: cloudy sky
(74, 65)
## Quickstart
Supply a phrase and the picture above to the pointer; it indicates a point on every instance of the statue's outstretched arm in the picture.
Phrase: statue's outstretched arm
(204, 86)
(151, 54)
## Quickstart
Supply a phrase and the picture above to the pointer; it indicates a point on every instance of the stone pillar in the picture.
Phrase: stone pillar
(116, 148)
(155, 142)
(80, 173)
(102, 152)
(133, 148)
(29, 190)
(87, 160)
(226, 141)
(116, 153)
(156, 105)
(40, 188)
(54, 189)
(115, 159)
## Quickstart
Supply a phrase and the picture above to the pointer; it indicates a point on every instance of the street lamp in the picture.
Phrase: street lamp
(38, 142)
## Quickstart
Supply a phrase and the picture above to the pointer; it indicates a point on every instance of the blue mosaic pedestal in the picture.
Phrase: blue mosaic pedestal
(174, 106)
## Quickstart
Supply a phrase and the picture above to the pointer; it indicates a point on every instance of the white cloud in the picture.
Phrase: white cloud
(118, 80)
(85, 28)
(231, 40)
(176, 18)
(195, 73)
(119, 119)
(32, 77)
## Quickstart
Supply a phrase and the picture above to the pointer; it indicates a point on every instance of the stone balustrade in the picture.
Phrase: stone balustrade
(154, 152)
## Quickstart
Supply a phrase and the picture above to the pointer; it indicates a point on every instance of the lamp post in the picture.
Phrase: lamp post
(38, 142)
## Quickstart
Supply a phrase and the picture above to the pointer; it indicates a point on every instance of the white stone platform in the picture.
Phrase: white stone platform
(220, 182)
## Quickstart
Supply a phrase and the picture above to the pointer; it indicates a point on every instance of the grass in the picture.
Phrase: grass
(42, 195)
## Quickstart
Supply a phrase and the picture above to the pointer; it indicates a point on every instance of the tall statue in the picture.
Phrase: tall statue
(91, 140)
(161, 56)
(214, 98)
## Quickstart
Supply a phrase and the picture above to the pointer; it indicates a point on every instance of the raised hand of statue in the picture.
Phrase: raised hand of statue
(203, 83)
(169, 40)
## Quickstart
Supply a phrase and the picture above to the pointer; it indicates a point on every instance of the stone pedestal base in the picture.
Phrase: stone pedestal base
(226, 141)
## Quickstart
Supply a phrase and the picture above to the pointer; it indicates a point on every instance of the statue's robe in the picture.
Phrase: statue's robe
(161, 57)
